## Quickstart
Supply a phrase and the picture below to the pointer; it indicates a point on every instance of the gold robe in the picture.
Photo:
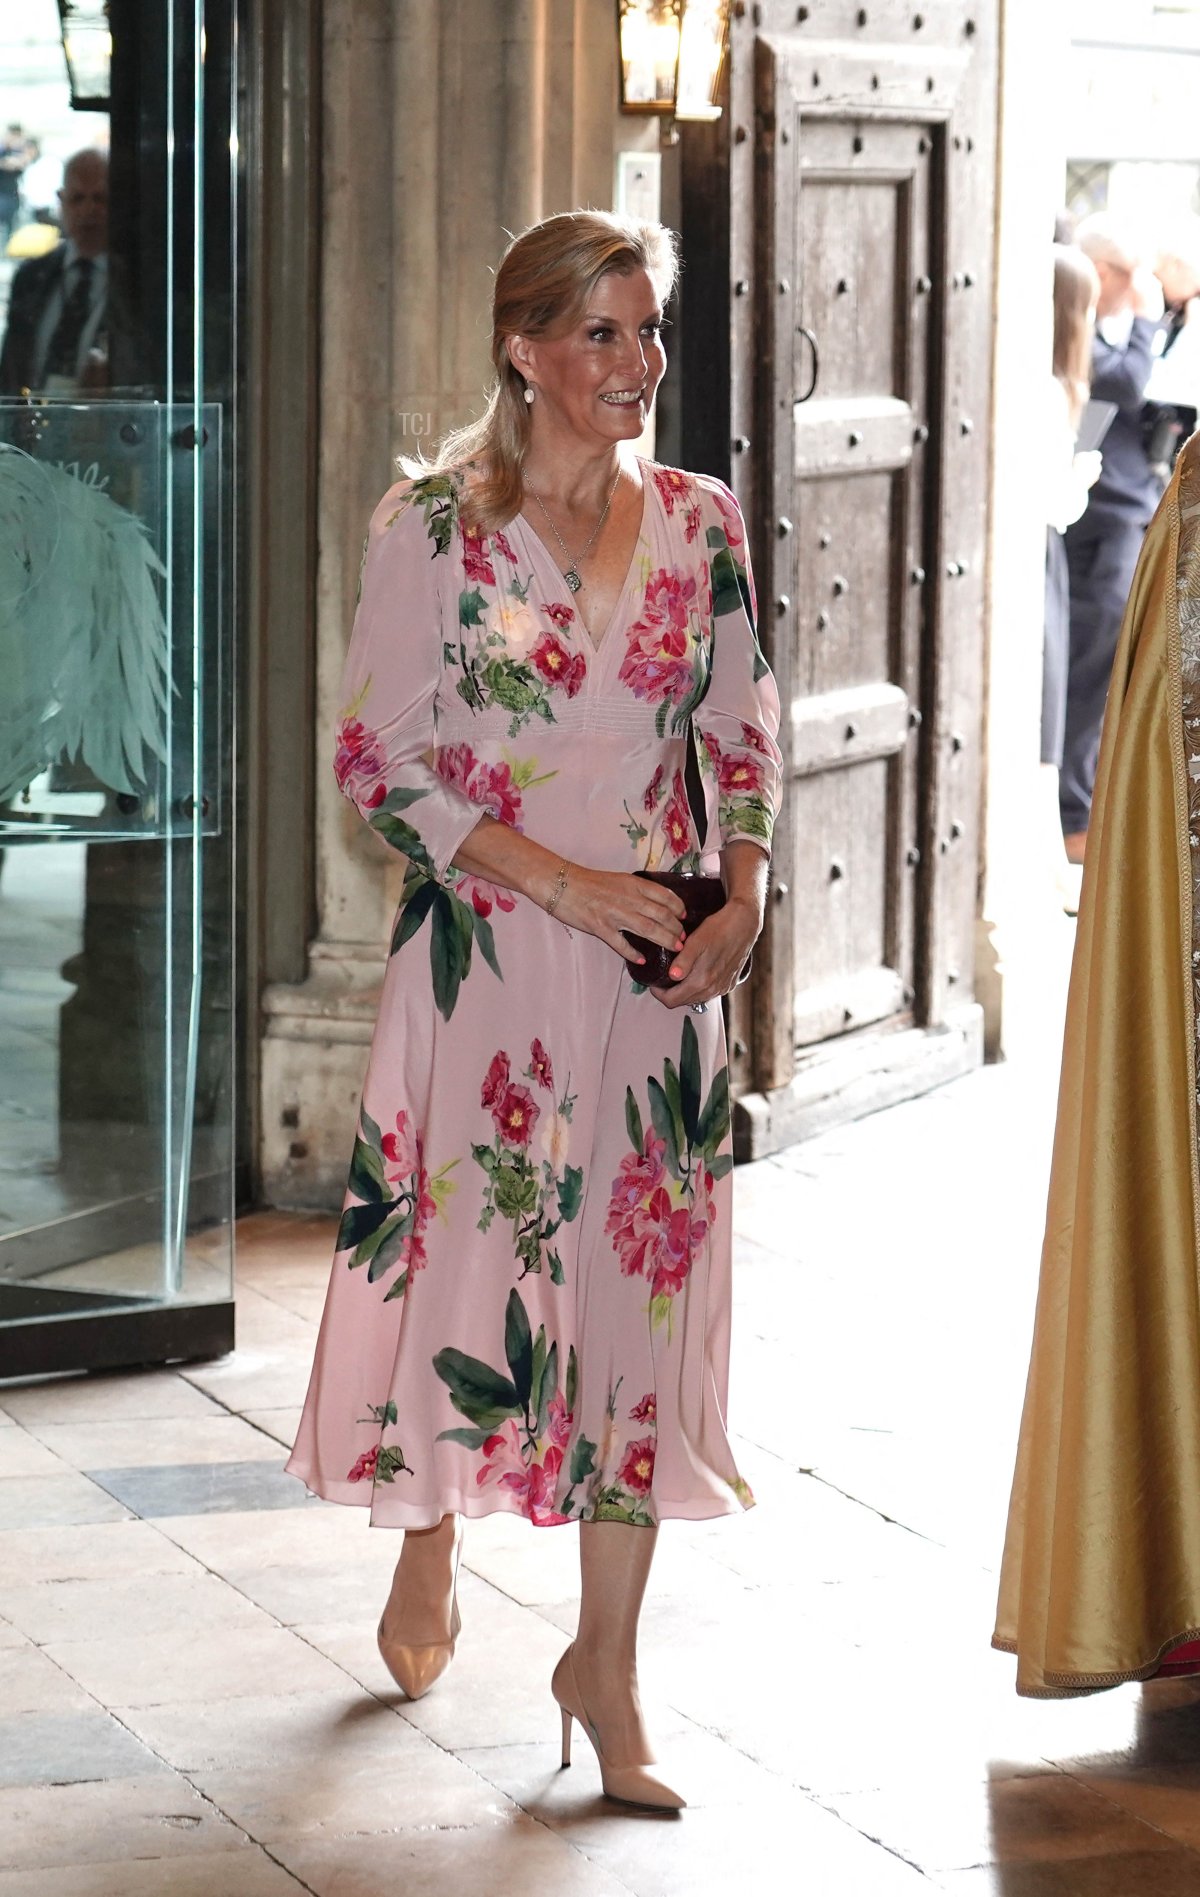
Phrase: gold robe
(1101, 1570)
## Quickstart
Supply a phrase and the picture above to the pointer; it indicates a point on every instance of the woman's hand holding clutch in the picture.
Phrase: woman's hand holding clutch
(714, 955)
(608, 902)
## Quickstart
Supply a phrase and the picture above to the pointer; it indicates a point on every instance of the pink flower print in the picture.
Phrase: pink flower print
(533, 1485)
(375, 797)
(559, 1420)
(490, 785)
(691, 523)
(680, 1237)
(495, 1080)
(557, 666)
(358, 753)
(477, 567)
(485, 896)
(515, 1114)
(755, 740)
(654, 790)
(657, 662)
(640, 1173)
(402, 1149)
(637, 1470)
(736, 773)
(412, 1252)
(543, 1072)
(646, 1411)
(495, 789)
(672, 485)
(561, 614)
(727, 507)
(677, 818)
(364, 1468)
(500, 542)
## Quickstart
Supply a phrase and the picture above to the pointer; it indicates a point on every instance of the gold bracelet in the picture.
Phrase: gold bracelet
(559, 887)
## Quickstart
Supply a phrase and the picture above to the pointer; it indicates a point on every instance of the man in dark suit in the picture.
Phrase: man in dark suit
(57, 334)
(1103, 546)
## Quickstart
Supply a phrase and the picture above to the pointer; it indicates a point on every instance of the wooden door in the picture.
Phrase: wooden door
(856, 165)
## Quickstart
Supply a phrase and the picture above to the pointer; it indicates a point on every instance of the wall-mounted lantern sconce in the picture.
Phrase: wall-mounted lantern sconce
(672, 56)
(87, 49)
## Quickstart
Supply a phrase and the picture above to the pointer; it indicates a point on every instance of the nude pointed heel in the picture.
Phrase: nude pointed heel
(415, 1668)
(624, 1784)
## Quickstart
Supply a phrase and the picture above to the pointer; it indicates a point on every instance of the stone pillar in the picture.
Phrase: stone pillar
(1021, 931)
(444, 127)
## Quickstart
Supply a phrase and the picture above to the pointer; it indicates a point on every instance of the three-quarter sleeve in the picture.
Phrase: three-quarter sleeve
(386, 732)
(738, 716)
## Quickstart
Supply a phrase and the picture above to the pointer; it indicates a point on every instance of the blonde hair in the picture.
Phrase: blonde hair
(1076, 288)
(543, 286)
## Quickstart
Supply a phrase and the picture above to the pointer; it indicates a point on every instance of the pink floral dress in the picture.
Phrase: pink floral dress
(529, 1304)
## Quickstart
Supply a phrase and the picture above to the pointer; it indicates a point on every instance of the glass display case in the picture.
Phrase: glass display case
(118, 975)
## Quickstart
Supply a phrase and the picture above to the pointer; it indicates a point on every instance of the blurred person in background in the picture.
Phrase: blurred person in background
(1173, 392)
(16, 152)
(1103, 545)
(1070, 477)
(56, 334)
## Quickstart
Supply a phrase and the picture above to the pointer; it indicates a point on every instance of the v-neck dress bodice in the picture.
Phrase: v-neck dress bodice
(529, 1303)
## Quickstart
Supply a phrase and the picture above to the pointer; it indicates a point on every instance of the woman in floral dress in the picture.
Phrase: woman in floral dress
(529, 1305)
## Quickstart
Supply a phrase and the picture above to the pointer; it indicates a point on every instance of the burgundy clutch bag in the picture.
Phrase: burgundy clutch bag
(701, 896)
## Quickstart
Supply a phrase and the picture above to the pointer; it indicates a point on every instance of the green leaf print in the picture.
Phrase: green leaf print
(727, 596)
(572, 1378)
(471, 607)
(515, 1192)
(359, 1221)
(714, 1120)
(389, 1463)
(722, 1164)
(398, 1289)
(544, 1396)
(367, 1179)
(633, 1121)
(414, 911)
(469, 1438)
(689, 1082)
(664, 1123)
(477, 1391)
(518, 1347)
(539, 1369)
(486, 939)
(388, 1253)
(447, 959)
(557, 1274)
(371, 1129)
(583, 1459)
(570, 1193)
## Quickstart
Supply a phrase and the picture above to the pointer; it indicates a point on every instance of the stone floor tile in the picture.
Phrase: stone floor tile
(170, 1605)
(255, 1377)
(31, 1683)
(1165, 1797)
(130, 1394)
(1170, 1873)
(70, 1748)
(205, 1664)
(303, 1300)
(89, 1552)
(248, 1873)
(311, 1534)
(158, 1816)
(201, 1488)
(415, 1787)
(353, 1591)
(775, 1846)
(520, 1857)
(10, 1636)
(235, 1735)
(22, 1454)
(169, 1440)
(281, 1424)
(43, 1501)
(1026, 1819)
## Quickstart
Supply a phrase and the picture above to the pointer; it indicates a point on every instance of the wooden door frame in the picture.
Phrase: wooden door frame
(747, 443)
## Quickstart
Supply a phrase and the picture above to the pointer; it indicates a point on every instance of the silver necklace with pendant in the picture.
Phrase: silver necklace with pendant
(572, 576)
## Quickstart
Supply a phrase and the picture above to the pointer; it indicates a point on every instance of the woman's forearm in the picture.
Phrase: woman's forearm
(745, 869)
(500, 854)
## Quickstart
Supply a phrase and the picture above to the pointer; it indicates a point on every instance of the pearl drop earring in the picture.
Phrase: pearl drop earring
(528, 393)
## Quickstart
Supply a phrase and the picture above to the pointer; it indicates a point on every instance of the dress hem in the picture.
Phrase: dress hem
(390, 1512)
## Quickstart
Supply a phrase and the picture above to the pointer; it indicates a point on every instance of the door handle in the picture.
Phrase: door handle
(811, 340)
